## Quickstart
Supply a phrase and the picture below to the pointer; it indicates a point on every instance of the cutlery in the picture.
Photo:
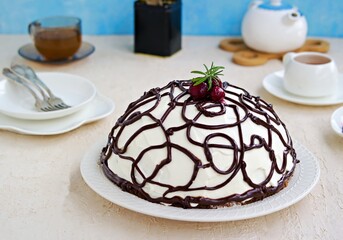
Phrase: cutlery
(28, 73)
(41, 105)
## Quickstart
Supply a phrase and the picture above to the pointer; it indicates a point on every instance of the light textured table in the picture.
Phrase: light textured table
(42, 193)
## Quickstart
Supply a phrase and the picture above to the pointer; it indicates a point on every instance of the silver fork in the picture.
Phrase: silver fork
(39, 104)
(30, 74)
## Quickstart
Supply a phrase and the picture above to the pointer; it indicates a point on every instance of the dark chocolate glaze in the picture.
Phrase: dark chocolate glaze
(254, 108)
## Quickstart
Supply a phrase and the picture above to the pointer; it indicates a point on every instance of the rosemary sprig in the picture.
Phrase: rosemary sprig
(208, 76)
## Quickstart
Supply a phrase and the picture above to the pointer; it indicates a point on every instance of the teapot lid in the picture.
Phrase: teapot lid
(275, 5)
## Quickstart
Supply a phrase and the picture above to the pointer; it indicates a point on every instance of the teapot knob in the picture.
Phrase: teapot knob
(255, 3)
(275, 2)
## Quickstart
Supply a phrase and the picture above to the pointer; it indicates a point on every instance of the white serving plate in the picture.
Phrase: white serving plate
(17, 102)
(305, 177)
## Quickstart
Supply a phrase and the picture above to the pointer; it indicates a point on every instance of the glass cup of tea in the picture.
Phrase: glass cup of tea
(56, 38)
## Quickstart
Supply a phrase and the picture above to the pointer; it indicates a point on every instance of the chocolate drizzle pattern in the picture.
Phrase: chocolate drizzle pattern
(237, 100)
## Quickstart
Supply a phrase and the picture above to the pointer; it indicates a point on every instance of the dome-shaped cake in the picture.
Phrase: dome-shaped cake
(171, 149)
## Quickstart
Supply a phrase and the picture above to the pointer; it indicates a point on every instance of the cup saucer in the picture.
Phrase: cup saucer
(273, 84)
(30, 52)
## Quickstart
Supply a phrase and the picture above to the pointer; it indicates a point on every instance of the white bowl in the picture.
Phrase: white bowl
(17, 102)
(337, 121)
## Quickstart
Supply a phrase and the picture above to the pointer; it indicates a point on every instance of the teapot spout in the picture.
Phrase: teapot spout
(294, 15)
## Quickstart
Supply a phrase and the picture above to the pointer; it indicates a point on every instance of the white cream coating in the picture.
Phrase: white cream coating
(179, 171)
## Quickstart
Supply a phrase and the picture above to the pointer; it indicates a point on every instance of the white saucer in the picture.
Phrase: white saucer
(337, 121)
(98, 108)
(30, 52)
(273, 84)
(17, 102)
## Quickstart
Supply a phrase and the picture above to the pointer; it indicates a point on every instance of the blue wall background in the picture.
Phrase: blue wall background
(200, 17)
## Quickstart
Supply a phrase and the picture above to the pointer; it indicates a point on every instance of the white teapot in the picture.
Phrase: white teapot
(274, 27)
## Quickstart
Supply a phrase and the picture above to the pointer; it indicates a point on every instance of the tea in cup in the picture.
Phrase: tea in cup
(56, 38)
(310, 74)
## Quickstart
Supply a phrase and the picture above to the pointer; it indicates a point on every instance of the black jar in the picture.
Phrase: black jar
(158, 28)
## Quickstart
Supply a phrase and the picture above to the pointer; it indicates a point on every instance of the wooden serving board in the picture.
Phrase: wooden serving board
(245, 56)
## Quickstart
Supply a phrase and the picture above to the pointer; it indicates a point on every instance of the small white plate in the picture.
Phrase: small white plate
(273, 84)
(17, 102)
(305, 177)
(337, 121)
(100, 107)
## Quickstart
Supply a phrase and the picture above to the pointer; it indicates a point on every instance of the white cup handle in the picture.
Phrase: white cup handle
(287, 57)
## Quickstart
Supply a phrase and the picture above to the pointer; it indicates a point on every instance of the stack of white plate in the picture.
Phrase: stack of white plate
(18, 114)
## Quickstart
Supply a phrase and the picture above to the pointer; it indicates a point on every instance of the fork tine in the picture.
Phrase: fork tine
(64, 105)
(60, 106)
(58, 103)
(47, 109)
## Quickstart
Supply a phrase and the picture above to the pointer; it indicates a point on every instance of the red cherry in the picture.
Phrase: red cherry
(217, 94)
(199, 91)
(217, 82)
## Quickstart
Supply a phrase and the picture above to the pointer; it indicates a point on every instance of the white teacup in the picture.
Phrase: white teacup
(310, 74)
